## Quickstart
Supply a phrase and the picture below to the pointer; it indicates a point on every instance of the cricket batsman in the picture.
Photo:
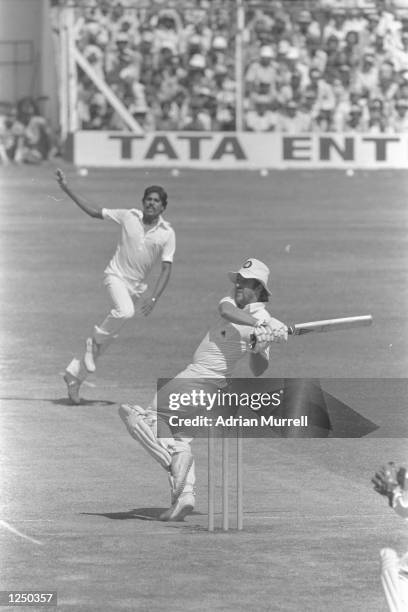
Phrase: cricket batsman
(393, 484)
(145, 238)
(241, 318)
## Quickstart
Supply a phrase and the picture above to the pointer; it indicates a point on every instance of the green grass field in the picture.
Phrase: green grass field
(79, 493)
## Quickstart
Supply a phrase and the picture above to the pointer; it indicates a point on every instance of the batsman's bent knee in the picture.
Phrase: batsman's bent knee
(134, 420)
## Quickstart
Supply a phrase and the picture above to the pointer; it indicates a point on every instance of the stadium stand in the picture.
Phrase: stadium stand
(25, 136)
(306, 66)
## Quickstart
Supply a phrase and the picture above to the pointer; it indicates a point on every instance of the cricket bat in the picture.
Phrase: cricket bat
(329, 325)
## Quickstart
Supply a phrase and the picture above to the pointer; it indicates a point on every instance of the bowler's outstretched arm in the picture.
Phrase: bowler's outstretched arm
(90, 209)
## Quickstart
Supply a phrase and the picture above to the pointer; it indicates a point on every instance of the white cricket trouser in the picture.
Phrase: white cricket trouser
(124, 308)
(394, 582)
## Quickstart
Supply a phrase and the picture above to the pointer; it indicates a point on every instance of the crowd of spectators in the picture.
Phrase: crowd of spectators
(331, 70)
(173, 69)
(25, 136)
(329, 67)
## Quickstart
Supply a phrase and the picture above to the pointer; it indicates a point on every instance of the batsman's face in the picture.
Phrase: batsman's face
(247, 291)
(152, 207)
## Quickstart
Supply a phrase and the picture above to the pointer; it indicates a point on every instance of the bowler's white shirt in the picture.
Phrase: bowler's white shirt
(139, 248)
(224, 344)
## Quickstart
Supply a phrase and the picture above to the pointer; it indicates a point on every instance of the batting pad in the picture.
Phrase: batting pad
(188, 487)
(140, 431)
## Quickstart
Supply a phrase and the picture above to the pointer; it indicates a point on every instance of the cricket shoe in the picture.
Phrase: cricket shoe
(183, 506)
(180, 466)
(89, 360)
(73, 385)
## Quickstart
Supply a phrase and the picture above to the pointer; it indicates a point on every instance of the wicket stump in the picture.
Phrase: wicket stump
(225, 481)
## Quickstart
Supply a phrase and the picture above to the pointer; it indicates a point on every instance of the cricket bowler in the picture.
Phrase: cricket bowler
(145, 238)
(241, 317)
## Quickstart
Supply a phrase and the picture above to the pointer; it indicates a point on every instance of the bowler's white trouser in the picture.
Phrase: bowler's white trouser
(124, 308)
(394, 580)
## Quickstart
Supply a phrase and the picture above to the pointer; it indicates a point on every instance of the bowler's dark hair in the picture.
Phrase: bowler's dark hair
(159, 190)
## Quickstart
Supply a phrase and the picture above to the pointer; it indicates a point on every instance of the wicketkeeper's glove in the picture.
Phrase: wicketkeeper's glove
(264, 333)
(389, 479)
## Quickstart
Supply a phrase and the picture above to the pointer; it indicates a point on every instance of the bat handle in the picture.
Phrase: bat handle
(252, 338)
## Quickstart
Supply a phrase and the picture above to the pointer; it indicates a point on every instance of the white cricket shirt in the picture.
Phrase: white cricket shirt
(224, 345)
(138, 249)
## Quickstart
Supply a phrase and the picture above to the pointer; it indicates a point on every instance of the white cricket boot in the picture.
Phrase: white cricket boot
(183, 506)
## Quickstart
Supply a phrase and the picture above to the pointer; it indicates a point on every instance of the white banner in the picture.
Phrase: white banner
(232, 150)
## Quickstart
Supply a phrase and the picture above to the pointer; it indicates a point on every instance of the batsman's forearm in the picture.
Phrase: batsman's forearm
(89, 209)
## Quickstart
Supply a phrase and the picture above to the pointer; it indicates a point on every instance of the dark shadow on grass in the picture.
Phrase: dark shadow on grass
(63, 401)
(141, 514)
